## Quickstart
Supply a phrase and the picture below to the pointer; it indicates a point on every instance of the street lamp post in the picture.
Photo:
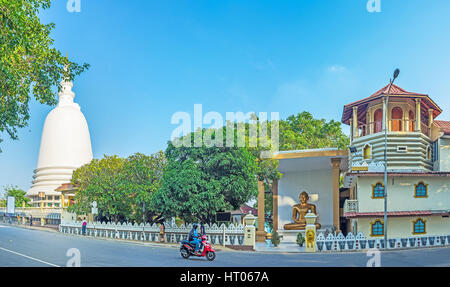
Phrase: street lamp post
(386, 117)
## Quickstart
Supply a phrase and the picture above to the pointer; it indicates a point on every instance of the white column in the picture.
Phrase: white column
(418, 117)
(430, 118)
(385, 115)
(355, 122)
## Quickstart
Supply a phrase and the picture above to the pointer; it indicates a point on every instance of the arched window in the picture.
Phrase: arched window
(396, 123)
(377, 228)
(367, 152)
(412, 121)
(419, 226)
(421, 190)
(378, 190)
(378, 120)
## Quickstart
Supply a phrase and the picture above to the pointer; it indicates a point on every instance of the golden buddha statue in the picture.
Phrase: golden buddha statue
(299, 211)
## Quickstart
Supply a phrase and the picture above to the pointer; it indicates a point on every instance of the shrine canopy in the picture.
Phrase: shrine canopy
(310, 159)
(396, 92)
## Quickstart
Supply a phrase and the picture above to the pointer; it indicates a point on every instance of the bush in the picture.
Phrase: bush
(275, 239)
(300, 239)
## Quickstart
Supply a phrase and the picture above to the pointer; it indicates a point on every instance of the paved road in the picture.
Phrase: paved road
(26, 247)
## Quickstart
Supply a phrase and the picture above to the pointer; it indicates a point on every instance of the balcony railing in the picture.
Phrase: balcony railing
(394, 126)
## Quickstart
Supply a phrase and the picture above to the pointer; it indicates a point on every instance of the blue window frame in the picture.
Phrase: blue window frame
(378, 190)
(419, 226)
(377, 228)
(421, 190)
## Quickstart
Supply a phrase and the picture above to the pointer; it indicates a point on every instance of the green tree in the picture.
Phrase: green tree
(28, 62)
(102, 181)
(303, 131)
(120, 186)
(18, 194)
(143, 179)
(201, 181)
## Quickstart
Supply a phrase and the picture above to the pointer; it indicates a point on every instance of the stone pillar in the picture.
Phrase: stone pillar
(261, 233)
(336, 164)
(351, 130)
(418, 116)
(275, 204)
(355, 122)
(310, 232)
(62, 200)
(249, 230)
(430, 118)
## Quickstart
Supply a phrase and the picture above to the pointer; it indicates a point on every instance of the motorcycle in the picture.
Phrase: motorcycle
(187, 249)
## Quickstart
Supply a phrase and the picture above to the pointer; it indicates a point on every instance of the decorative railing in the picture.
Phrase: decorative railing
(36, 212)
(393, 126)
(232, 235)
(350, 206)
(360, 242)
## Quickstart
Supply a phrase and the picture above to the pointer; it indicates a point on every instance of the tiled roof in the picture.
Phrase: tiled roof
(444, 125)
(393, 213)
(396, 91)
(246, 209)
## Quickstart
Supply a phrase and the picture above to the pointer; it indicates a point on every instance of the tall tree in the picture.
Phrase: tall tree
(28, 62)
(143, 179)
(303, 131)
(201, 181)
(103, 181)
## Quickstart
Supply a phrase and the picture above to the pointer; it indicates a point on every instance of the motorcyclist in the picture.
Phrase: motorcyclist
(194, 237)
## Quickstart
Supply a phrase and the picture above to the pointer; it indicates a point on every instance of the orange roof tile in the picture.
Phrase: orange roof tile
(444, 125)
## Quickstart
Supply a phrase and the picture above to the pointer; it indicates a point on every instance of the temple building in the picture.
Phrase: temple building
(65, 146)
(345, 188)
(418, 164)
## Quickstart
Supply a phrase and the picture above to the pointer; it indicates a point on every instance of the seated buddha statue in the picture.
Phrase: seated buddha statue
(299, 211)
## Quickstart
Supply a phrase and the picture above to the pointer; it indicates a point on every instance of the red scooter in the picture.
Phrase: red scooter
(187, 249)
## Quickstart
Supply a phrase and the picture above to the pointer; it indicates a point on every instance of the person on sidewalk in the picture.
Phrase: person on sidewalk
(83, 226)
(31, 220)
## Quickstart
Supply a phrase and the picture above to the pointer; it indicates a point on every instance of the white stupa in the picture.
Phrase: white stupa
(65, 146)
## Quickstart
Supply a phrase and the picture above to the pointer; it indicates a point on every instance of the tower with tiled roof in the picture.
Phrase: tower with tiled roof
(418, 164)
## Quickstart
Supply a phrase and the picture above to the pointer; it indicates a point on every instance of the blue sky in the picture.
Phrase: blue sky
(150, 59)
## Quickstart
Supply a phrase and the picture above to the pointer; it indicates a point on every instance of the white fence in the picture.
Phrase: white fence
(233, 235)
(360, 242)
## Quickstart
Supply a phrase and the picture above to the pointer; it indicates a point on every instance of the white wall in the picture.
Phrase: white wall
(401, 194)
(318, 184)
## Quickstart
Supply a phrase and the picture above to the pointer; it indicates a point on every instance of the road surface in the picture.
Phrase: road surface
(29, 247)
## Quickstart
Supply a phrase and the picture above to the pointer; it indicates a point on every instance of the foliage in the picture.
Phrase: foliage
(303, 131)
(18, 194)
(28, 62)
(300, 239)
(119, 186)
(275, 239)
(201, 181)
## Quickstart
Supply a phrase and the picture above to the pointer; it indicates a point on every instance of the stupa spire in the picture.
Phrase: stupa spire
(66, 95)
